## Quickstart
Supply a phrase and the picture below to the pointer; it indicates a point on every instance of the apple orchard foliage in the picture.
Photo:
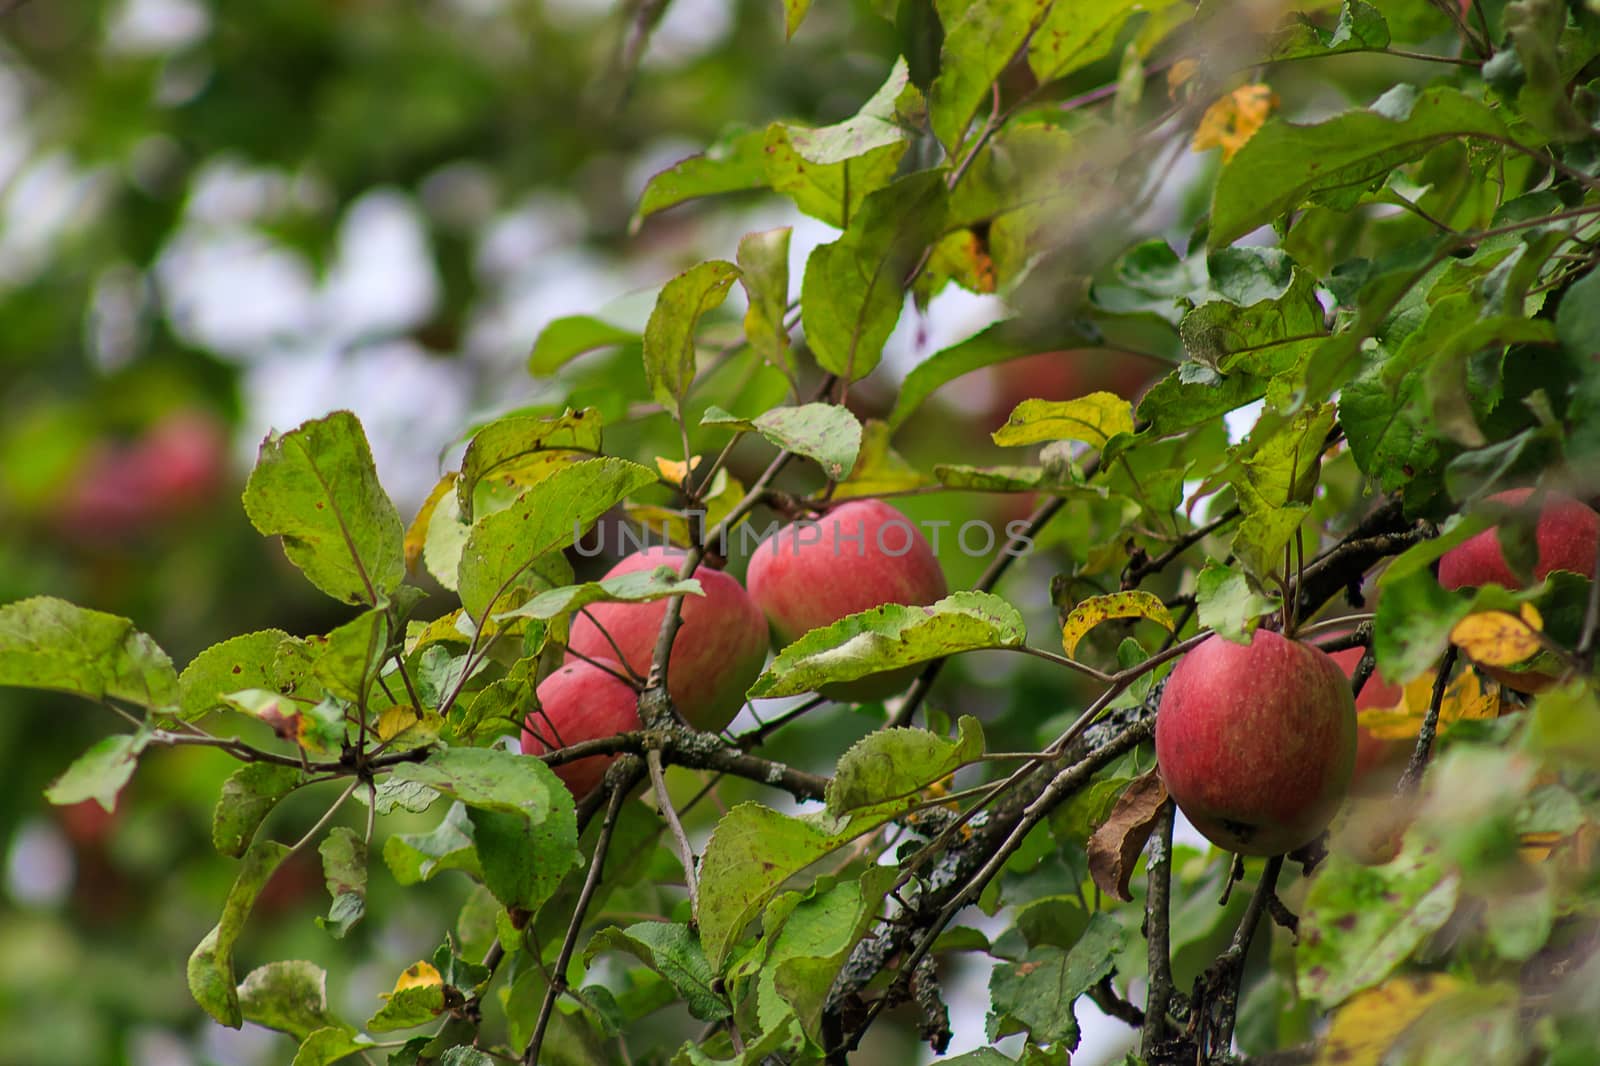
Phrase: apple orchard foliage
(1404, 285)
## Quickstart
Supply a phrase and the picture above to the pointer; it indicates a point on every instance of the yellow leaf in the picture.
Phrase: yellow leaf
(1091, 612)
(1179, 73)
(1371, 1022)
(1499, 638)
(1232, 120)
(417, 534)
(417, 975)
(1093, 419)
(1537, 847)
(675, 470)
(1467, 697)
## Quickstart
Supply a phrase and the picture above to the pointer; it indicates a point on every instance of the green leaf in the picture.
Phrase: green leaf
(1257, 328)
(1360, 28)
(1229, 604)
(1037, 993)
(763, 260)
(1578, 317)
(853, 289)
(486, 778)
(1097, 609)
(101, 772)
(352, 654)
(1413, 626)
(669, 349)
(248, 796)
(1262, 536)
(830, 170)
(895, 764)
(888, 637)
(409, 1007)
(514, 451)
(750, 855)
(210, 969)
(247, 661)
(1284, 164)
(816, 939)
(1176, 404)
(51, 644)
(1073, 36)
(824, 432)
(1093, 419)
(1361, 922)
(503, 551)
(521, 814)
(344, 871)
(640, 586)
(794, 12)
(673, 951)
(879, 468)
(734, 163)
(291, 997)
(466, 1056)
(524, 858)
(1282, 468)
(417, 857)
(317, 488)
(564, 339)
(326, 1046)
(1009, 339)
(978, 46)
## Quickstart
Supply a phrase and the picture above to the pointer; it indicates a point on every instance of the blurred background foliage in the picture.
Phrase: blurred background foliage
(219, 218)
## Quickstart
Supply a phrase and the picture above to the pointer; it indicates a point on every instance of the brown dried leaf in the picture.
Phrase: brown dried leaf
(1115, 846)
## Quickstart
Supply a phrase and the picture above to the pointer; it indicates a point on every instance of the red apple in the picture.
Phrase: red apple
(1567, 533)
(717, 654)
(859, 555)
(1256, 742)
(1377, 694)
(125, 490)
(581, 701)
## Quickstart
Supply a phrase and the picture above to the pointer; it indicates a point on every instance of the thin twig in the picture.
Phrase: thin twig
(558, 979)
(1157, 914)
(658, 779)
(1430, 727)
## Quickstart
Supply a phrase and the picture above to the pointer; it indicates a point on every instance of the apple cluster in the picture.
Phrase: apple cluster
(860, 555)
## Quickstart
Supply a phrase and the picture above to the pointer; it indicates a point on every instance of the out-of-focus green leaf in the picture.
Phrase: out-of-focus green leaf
(566, 338)
(51, 644)
(1360, 922)
(672, 950)
(1272, 173)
